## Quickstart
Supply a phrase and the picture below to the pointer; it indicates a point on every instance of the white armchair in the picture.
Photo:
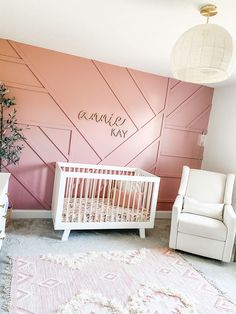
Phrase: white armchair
(203, 220)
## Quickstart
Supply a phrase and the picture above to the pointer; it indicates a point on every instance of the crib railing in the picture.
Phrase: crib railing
(103, 194)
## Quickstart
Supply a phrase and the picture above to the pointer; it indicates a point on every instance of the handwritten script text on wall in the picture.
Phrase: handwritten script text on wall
(115, 122)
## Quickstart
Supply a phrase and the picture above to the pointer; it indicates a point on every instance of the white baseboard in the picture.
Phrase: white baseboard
(163, 214)
(47, 214)
(31, 213)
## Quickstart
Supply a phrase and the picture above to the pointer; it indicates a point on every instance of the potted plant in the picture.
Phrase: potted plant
(11, 135)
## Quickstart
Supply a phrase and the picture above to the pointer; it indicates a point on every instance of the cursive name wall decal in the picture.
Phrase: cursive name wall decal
(109, 119)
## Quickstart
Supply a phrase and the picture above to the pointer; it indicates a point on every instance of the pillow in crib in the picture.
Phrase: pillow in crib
(130, 186)
(127, 199)
(212, 210)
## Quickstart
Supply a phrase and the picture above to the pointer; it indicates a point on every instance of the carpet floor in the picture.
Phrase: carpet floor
(37, 237)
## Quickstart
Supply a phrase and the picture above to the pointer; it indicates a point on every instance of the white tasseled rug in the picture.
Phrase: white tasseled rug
(117, 282)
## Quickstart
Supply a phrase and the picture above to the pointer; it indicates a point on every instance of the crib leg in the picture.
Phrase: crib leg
(142, 233)
(65, 235)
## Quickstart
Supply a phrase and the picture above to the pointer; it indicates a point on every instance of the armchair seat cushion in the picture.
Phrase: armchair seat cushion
(202, 226)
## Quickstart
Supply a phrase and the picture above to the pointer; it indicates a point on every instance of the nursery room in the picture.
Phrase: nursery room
(117, 157)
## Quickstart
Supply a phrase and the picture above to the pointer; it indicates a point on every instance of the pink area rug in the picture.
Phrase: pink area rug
(118, 282)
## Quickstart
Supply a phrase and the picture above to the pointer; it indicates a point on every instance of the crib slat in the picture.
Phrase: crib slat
(75, 197)
(129, 198)
(67, 186)
(92, 197)
(80, 199)
(86, 197)
(103, 194)
(143, 202)
(68, 197)
(108, 199)
(118, 202)
(139, 188)
(124, 199)
(134, 198)
(98, 200)
(71, 196)
(149, 195)
(113, 195)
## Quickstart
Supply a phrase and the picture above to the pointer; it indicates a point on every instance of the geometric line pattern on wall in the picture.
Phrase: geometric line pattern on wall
(152, 87)
(187, 116)
(133, 102)
(60, 138)
(71, 109)
(136, 143)
(6, 50)
(179, 95)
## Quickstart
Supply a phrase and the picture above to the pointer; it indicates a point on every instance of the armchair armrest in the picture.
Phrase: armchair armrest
(229, 219)
(176, 211)
(178, 205)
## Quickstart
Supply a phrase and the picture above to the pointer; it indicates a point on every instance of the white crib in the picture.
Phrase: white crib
(103, 197)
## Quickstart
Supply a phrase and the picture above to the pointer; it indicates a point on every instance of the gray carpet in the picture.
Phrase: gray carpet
(36, 237)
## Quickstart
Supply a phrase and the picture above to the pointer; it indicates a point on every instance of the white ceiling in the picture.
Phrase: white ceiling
(134, 33)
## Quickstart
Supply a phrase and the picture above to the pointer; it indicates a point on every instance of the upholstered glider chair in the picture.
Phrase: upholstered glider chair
(203, 219)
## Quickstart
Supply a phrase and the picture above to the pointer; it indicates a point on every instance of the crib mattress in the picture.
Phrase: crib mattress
(99, 210)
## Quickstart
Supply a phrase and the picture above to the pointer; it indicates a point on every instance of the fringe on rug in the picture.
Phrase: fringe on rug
(5, 284)
(211, 282)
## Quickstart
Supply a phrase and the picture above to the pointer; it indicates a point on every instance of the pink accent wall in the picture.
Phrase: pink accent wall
(162, 120)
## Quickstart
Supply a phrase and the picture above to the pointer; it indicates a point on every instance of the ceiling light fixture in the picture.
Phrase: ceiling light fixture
(205, 53)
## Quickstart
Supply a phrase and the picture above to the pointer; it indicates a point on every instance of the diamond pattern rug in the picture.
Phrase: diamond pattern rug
(119, 282)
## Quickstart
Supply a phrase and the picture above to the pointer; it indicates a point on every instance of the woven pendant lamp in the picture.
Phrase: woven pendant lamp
(205, 53)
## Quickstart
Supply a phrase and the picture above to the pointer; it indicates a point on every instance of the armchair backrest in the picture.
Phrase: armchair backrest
(206, 186)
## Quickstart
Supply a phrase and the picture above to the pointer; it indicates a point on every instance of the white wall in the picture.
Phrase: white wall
(220, 146)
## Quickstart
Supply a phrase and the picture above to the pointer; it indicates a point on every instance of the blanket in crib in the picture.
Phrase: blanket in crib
(100, 210)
